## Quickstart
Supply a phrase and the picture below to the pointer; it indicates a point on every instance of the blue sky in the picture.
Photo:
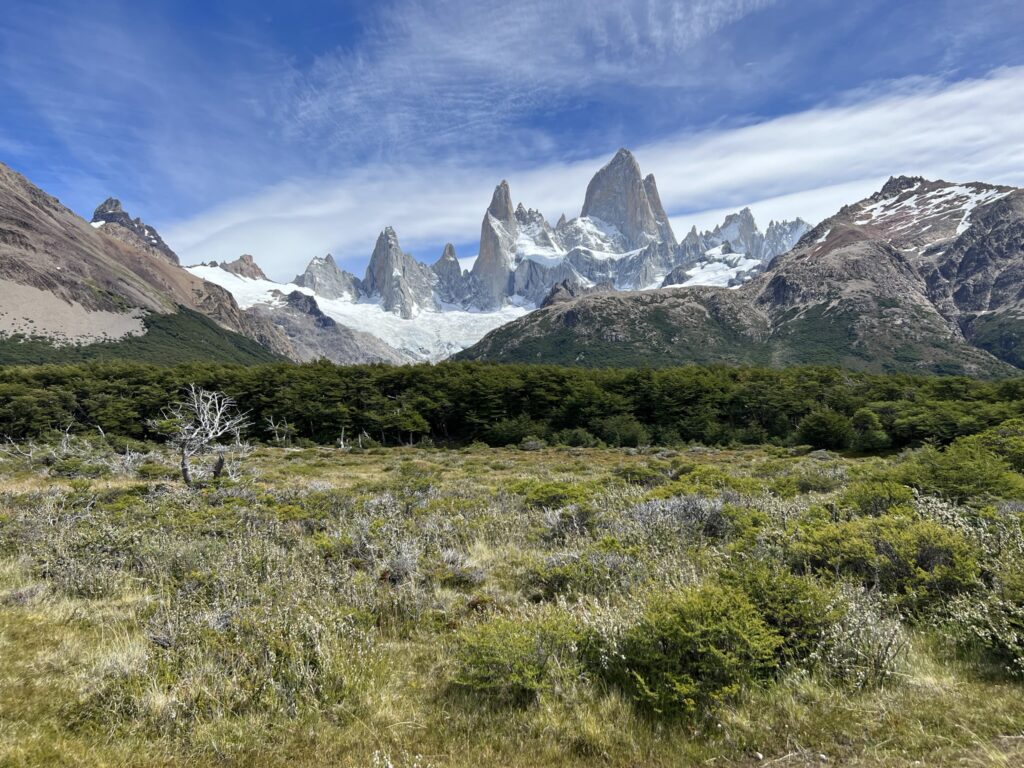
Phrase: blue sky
(291, 129)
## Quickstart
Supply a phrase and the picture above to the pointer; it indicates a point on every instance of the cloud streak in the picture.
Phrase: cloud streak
(805, 164)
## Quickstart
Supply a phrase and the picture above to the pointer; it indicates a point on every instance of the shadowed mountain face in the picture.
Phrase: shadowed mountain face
(922, 276)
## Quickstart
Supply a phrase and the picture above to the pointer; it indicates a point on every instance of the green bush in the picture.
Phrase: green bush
(868, 433)
(553, 495)
(577, 437)
(991, 625)
(602, 568)
(824, 428)
(865, 646)
(514, 431)
(875, 497)
(920, 562)
(965, 470)
(648, 476)
(623, 432)
(77, 467)
(692, 650)
(509, 661)
(798, 609)
(1005, 440)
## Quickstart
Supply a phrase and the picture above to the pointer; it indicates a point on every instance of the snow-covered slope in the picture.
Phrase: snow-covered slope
(429, 336)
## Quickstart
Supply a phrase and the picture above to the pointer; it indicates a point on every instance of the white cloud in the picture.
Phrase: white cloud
(804, 164)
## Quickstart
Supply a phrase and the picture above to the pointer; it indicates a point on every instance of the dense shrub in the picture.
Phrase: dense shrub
(798, 609)
(920, 562)
(576, 437)
(693, 649)
(875, 497)
(552, 495)
(515, 430)
(1005, 440)
(963, 470)
(605, 567)
(824, 428)
(868, 433)
(623, 431)
(509, 660)
(865, 646)
(990, 626)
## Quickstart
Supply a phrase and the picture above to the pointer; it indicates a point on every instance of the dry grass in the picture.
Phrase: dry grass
(362, 568)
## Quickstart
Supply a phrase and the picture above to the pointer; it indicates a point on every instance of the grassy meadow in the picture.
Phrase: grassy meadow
(522, 606)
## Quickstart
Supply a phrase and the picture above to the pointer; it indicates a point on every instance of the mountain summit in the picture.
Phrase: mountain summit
(135, 231)
(620, 196)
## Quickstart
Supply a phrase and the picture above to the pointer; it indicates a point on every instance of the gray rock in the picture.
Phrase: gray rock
(492, 271)
(651, 188)
(402, 284)
(617, 195)
(325, 278)
(312, 335)
(110, 212)
(452, 284)
(244, 266)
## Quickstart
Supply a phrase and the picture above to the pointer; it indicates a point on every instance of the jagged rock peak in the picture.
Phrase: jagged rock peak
(110, 211)
(451, 284)
(401, 282)
(501, 204)
(651, 188)
(448, 254)
(244, 266)
(110, 205)
(561, 222)
(897, 184)
(324, 278)
(617, 195)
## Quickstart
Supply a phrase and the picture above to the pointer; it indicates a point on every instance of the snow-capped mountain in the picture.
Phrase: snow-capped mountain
(921, 276)
(622, 240)
(429, 335)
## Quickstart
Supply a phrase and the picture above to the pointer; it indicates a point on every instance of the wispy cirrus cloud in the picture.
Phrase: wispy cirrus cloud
(485, 77)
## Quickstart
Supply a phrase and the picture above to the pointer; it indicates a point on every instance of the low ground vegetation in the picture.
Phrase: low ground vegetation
(518, 606)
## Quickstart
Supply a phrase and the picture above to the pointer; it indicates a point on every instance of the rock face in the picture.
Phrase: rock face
(567, 291)
(493, 268)
(244, 266)
(135, 230)
(619, 195)
(623, 237)
(451, 283)
(922, 276)
(666, 235)
(401, 283)
(325, 278)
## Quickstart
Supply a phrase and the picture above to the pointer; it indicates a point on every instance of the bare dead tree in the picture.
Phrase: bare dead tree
(198, 424)
(283, 431)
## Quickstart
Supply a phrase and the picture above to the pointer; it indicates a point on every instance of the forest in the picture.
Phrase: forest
(461, 403)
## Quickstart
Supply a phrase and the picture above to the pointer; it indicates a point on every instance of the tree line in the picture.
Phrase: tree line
(457, 403)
